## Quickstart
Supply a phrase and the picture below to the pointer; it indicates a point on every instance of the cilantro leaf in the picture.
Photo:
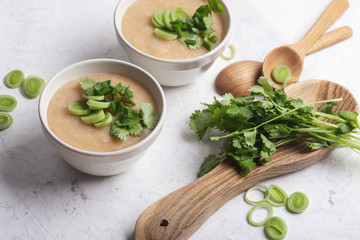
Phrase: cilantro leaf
(215, 6)
(149, 117)
(87, 83)
(136, 129)
(199, 122)
(351, 117)
(209, 164)
(119, 132)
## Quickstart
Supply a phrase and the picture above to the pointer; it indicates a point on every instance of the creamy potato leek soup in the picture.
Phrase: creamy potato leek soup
(72, 130)
(138, 28)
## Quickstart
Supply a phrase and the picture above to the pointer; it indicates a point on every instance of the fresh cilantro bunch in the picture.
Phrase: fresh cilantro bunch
(129, 121)
(254, 126)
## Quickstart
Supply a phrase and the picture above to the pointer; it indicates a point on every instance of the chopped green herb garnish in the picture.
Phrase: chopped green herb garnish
(252, 130)
(193, 32)
(103, 98)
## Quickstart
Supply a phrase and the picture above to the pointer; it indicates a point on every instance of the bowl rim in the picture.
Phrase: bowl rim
(124, 151)
(209, 54)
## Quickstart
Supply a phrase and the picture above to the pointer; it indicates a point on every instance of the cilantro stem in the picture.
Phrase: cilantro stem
(237, 133)
(329, 116)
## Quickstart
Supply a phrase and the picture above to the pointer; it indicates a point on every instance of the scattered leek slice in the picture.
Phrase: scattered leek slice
(33, 86)
(261, 205)
(5, 120)
(297, 202)
(14, 79)
(233, 53)
(281, 73)
(254, 188)
(7, 103)
(79, 108)
(276, 228)
(94, 117)
(108, 118)
(277, 196)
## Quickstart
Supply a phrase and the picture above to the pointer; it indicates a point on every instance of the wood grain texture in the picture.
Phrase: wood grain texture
(293, 55)
(238, 77)
(179, 214)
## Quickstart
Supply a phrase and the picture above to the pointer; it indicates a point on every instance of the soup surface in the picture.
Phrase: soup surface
(138, 29)
(72, 130)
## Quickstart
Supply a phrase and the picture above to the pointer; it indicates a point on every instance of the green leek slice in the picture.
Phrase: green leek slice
(97, 98)
(96, 105)
(7, 103)
(277, 196)
(5, 120)
(93, 117)
(281, 73)
(79, 108)
(108, 118)
(254, 188)
(33, 86)
(167, 20)
(276, 228)
(261, 205)
(232, 55)
(297, 202)
(164, 34)
(178, 13)
(158, 19)
(14, 79)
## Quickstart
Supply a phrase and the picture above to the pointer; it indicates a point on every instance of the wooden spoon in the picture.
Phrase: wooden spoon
(238, 77)
(179, 214)
(293, 55)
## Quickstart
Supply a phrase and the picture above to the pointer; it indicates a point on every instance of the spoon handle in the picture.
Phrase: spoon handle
(330, 38)
(329, 16)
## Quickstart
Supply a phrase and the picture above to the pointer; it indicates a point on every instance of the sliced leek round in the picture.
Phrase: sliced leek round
(254, 208)
(7, 103)
(107, 120)
(158, 19)
(276, 228)
(14, 79)
(297, 202)
(93, 117)
(165, 34)
(33, 86)
(5, 120)
(97, 105)
(79, 108)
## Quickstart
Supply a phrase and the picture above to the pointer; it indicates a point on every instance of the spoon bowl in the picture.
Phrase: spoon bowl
(285, 55)
(179, 214)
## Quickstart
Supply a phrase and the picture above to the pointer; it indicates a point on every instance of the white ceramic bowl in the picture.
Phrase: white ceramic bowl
(171, 72)
(102, 163)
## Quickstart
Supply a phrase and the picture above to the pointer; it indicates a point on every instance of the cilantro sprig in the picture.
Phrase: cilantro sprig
(254, 128)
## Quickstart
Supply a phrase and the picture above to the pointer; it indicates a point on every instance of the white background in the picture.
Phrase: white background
(42, 197)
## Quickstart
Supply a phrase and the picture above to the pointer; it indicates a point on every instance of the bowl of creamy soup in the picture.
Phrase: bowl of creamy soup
(111, 136)
(171, 62)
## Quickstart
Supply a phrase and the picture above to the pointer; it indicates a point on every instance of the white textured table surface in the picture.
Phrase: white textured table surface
(42, 197)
